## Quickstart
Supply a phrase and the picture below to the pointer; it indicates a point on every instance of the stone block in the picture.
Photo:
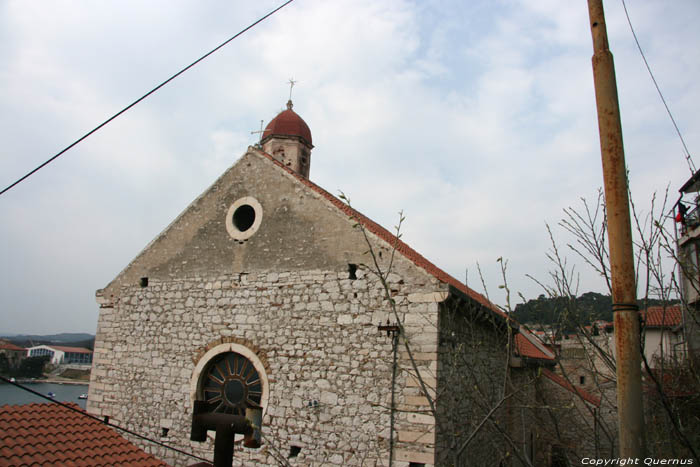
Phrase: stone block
(430, 297)
(415, 456)
(422, 437)
(421, 418)
(329, 398)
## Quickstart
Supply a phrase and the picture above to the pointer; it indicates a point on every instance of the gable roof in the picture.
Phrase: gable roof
(405, 250)
(528, 346)
(659, 316)
(50, 434)
(561, 381)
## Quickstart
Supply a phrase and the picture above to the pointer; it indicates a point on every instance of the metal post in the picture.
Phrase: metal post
(395, 345)
(392, 330)
(626, 312)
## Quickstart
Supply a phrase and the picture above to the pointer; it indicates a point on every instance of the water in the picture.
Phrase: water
(11, 394)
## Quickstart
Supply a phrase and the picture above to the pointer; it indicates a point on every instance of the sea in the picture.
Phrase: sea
(11, 394)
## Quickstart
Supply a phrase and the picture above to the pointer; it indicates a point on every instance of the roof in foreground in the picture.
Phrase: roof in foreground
(530, 347)
(51, 434)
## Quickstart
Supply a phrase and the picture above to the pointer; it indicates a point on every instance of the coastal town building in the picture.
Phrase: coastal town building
(62, 355)
(12, 353)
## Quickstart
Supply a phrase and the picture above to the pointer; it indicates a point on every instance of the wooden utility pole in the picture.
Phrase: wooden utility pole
(625, 309)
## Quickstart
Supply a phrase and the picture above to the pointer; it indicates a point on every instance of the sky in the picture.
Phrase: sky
(477, 119)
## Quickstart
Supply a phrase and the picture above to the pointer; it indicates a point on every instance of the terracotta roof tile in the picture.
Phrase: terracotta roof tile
(288, 123)
(63, 348)
(5, 345)
(391, 239)
(527, 349)
(50, 434)
(561, 381)
(659, 316)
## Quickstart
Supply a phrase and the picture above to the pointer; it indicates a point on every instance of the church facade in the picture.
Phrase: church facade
(263, 293)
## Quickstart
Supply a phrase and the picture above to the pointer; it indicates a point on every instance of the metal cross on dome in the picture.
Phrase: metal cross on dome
(291, 82)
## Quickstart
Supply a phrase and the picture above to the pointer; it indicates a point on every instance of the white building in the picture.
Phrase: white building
(61, 355)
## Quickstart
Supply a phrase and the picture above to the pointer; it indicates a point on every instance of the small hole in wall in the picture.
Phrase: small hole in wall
(143, 282)
(352, 270)
(294, 451)
(106, 419)
(581, 380)
(416, 464)
(164, 432)
(380, 254)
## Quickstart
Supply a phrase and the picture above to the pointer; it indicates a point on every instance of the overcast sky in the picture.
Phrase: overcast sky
(476, 118)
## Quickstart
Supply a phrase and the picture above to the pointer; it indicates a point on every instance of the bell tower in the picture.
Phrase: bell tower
(287, 138)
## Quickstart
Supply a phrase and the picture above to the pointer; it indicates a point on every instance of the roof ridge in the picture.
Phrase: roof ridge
(534, 340)
(381, 232)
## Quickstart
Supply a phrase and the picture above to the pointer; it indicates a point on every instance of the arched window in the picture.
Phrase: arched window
(229, 378)
(230, 383)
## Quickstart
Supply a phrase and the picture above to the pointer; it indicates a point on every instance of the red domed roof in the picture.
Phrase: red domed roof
(288, 123)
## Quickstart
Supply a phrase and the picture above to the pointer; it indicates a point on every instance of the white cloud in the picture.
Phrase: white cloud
(476, 118)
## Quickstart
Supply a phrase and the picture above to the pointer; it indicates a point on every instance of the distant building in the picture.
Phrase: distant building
(13, 353)
(688, 235)
(62, 355)
(663, 335)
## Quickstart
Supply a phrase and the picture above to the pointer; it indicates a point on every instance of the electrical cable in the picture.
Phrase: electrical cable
(85, 414)
(688, 158)
(142, 98)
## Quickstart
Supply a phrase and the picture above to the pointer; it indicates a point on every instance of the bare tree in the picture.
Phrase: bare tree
(671, 386)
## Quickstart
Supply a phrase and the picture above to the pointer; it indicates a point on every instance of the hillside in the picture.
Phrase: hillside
(69, 339)
(582, 310)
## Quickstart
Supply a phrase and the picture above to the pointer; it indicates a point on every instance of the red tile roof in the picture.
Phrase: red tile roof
(561, 381)
(5, 345)
(63, 348)
(527, 349)
(528, 345)
(50, 434)
(288, 123)
(659, 316)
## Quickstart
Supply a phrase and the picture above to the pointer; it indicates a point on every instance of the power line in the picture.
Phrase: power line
(142, 98)
(85, 414)
(688, 158)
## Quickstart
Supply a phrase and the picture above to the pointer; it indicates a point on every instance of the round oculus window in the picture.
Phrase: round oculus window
(243, 218)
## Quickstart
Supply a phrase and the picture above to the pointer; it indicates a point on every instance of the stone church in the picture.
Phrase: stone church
(262, 293)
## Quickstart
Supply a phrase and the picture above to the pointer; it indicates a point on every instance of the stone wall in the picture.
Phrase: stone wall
(316, 333)
(568, 426)
(472, 366)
